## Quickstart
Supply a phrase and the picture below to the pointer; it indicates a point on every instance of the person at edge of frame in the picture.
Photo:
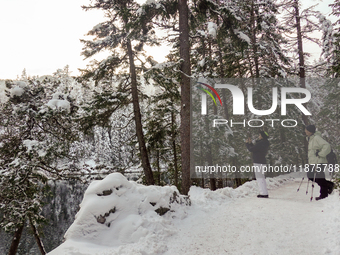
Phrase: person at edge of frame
(318, 149)
(259, 151)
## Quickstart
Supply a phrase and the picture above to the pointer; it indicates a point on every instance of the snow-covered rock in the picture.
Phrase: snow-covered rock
(116, 211)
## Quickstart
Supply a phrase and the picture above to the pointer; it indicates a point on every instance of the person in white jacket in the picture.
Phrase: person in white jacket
(318, 149)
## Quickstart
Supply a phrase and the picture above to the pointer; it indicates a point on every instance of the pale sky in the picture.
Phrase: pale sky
(43, 35)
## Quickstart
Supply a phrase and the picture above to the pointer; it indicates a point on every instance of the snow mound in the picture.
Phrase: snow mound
(206, 196)
(118, 216)
(116, 211)
(332, 222)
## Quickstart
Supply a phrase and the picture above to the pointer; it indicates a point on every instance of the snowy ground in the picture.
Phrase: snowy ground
(226, 221)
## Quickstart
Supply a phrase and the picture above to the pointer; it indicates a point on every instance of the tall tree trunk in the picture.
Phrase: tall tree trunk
(209, 147)
(253, 40)
(37, 238)
(220, 183)
(138, 119)
(158, 168)
(301, 62)
(238, 179)
(16, 240)
(224, 93)
(173, 137)
(300, 53)
(213, 177)
(185, 93)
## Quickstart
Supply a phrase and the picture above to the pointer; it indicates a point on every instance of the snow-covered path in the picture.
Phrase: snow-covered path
(226, 221)
(286, 223)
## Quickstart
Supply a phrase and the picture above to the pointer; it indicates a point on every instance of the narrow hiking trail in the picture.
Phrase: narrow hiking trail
(222, 222)
(285, 223)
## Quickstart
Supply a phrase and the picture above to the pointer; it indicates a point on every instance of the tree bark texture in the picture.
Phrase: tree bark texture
(173, 137)
(37, 238)
(16, 240)
(253, 39)
(300, 53)
(138, 119)
(185, 94)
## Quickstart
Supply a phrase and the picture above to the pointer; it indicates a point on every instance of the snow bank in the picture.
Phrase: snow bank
(332, 222)
(204, 197)
(116, 212)
(118, 217)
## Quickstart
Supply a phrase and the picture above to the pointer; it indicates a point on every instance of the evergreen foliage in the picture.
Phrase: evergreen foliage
(162, 125)
(106, 120)
(37, 132)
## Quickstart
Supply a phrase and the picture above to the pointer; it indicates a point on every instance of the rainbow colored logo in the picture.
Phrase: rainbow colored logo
(208, 92)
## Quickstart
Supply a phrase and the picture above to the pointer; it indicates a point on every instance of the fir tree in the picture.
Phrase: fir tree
(335, 66)
(123, 34)
(36, 134)
(163, 123)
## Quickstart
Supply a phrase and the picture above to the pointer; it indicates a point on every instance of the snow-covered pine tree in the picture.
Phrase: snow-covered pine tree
(184, 53)
(108, 127)
(329, 110)
(162, 126)
(243, 37)
(335, 69)
(265, 56)
(299, 25)
(36, 134)
(175, 15)
(248, 44)
(123, 35)
(327, 43)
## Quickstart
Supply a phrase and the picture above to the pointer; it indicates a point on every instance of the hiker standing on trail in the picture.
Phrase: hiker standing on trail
(318, 149)
(259, 151)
